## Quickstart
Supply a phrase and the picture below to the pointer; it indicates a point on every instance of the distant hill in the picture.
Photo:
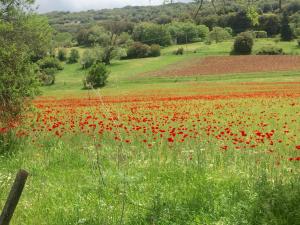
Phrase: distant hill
(221, 16)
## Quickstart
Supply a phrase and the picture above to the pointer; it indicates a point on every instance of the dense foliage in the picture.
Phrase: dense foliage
(74, 56)
(218, 34)
(48, 67)
(140, 50)
(24, 39)
(243, 44)
(286, 30)
(270, 50)
(96, 77)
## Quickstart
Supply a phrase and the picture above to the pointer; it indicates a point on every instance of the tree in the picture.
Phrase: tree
(24, 38)
(62, 54)
(63, 39)
(96, 77)
(240, 22)
(286, 30)
(269, 23)
(89, 57)
(218, 34)
(117, 40)
(74, 56)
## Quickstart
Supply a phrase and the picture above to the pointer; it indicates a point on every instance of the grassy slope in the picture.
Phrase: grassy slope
(123, 73)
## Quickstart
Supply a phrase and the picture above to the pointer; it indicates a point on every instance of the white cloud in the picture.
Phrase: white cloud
(80, 5)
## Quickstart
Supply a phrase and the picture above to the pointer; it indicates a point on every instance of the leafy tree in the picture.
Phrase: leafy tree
(117, 41)
(62, 54)
(74, 56)
(89, 57)
(98, 36)
(96, 77)
(286, 30)
(269, 23)
(240, 22)
(50, 62)
(24, 37)
(63, 39)
(83, 37)
(243, 44)
(218, 34)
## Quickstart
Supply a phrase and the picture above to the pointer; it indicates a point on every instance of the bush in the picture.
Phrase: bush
(179, 51)
(138, 50)
(270, 50)
(261, 34)
(154, 51)
(62, 55)
(74, 56)
(243, 44)
(298, 43)
(96, 77)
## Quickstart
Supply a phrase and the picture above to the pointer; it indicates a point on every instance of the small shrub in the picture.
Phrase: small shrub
(243, 44)
(298, 43)
(96, 77)
(179, 51)
(270, 50)
(62, 55)
(74, 56)
(261, 34)
(154, 50)
(138, 50)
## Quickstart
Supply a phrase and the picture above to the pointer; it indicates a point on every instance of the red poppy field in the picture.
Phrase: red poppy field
(252, 118)
(178, 153)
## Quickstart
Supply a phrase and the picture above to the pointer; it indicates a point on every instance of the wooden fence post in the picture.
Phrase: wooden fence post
(14, 197)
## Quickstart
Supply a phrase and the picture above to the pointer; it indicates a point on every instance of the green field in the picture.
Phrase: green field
(124, 72)
(147, 175)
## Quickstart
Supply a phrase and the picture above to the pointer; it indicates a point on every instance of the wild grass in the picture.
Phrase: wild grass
(89, 179)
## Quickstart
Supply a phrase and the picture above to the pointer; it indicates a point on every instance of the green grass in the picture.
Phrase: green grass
(85, 179)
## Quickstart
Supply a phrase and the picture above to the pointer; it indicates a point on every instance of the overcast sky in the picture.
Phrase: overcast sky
(80, 5)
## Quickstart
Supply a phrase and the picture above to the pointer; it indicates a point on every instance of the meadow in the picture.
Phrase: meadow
(217, 148)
